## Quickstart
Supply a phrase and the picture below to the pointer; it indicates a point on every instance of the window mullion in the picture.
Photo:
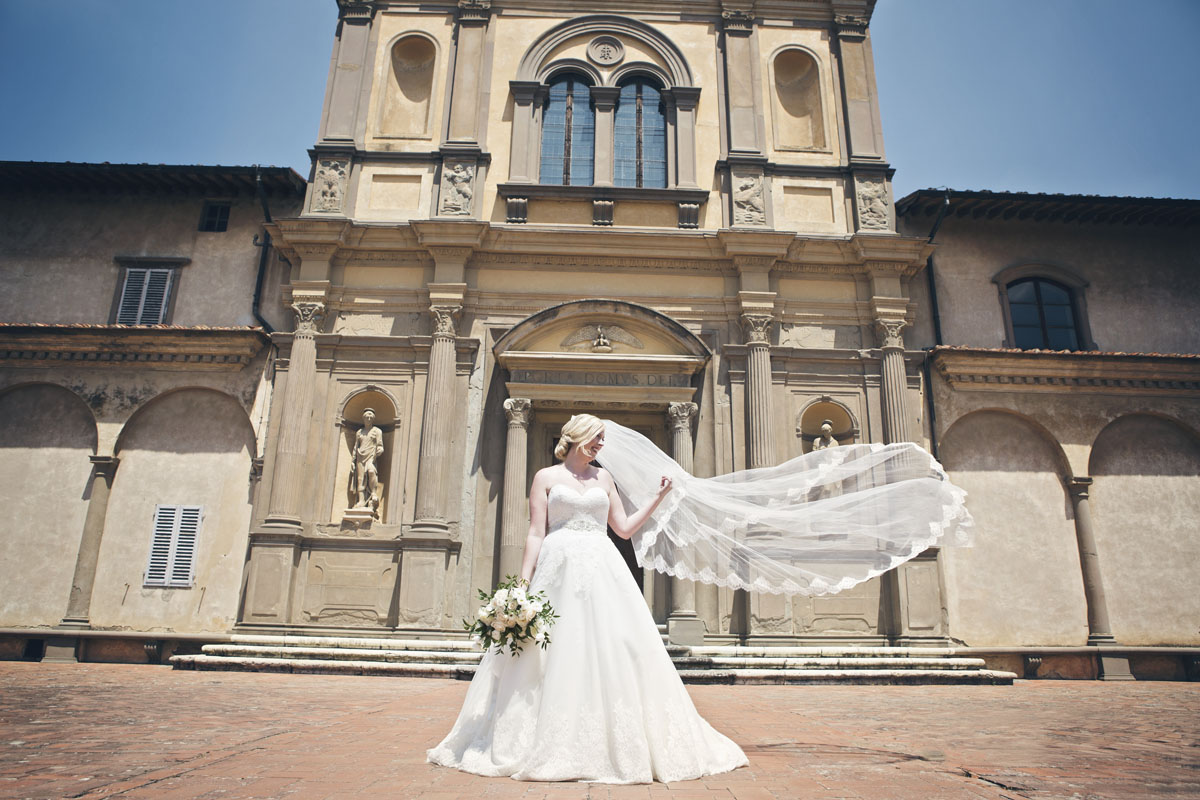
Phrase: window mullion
(1037, 293)
(567, 131)
(638, 147)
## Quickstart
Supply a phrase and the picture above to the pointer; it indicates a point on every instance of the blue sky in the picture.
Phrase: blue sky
(1077, 96)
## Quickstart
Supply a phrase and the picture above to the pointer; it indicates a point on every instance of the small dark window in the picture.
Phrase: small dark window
(1043, 315)
(215, 218)
(145, 296)
(568, 133)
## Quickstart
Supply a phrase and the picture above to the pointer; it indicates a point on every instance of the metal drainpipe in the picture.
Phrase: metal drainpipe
(937, 325)
(264, 252)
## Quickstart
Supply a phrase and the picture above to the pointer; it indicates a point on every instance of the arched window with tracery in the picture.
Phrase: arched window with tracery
(568, 133)
(1043, 315)
(640, 136)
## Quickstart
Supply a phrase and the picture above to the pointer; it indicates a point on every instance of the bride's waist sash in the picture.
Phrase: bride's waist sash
(578, 525)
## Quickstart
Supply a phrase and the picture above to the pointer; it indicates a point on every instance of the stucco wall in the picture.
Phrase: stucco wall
(46, 436)
(191, 447)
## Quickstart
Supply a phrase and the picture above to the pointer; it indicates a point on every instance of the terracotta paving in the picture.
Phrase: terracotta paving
(100, 730)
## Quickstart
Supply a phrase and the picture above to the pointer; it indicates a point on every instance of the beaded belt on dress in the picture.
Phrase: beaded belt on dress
(580, 526)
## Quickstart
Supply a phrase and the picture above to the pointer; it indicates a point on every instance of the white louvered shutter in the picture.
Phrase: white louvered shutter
(172, 560)
(144, 296)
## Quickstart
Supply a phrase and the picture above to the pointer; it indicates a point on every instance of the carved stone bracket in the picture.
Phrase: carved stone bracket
(308, 317)
(681, 415)
(737, 21)
(757, 328)
(355, 10)
(689, 215)
(602, 212)
(851, 26)
(519, 411)
(473, 11)
(890, 333)
(517, 210)
(445, 321)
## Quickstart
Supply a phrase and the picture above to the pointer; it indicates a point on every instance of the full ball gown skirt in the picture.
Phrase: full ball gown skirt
(603, 702)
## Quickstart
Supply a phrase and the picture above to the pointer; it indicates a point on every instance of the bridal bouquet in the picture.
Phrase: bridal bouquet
(510, 617)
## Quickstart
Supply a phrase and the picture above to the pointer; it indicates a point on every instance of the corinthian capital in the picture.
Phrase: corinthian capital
(445, 321)
(519, 411)
(681, 416)
(308, 316)
(889, 331)
(757, 328)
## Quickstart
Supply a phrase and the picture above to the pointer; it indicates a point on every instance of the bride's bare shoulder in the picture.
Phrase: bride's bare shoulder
(546, 475)
(604, 477)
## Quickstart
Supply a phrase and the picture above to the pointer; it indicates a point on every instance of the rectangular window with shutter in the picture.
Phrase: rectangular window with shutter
(145, 296)
(172, 560)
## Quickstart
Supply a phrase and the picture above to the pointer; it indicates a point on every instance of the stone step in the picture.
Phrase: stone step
(821, 651)
(354, 642)
(766, 662)
(345, 653)
(724, 676)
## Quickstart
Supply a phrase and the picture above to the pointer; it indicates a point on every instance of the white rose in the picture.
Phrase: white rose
(539, 637)
(500, 597)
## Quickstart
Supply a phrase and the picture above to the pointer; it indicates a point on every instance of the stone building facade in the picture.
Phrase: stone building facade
(679, 216)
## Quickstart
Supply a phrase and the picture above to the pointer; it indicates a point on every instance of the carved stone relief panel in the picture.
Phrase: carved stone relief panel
(749, 204)
(458, 188)
(351, 589)
(329, 185)
(873, 206)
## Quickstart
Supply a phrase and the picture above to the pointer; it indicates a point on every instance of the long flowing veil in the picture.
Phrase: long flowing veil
(817, 524)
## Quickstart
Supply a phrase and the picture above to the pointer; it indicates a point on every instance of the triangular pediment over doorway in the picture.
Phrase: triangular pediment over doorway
(607, 351)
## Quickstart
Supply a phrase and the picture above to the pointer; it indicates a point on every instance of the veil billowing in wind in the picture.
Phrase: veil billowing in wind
(817, 524)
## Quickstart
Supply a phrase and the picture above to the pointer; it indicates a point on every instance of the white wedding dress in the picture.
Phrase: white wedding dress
(603, 702)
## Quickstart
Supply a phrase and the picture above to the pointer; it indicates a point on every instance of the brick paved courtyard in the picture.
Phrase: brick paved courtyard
(98, 730)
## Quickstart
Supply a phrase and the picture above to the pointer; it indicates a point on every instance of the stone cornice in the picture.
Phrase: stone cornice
(979, 369)
(157, 347)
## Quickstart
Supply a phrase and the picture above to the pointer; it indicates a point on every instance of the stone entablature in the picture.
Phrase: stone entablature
(158, 347)
(971, 369)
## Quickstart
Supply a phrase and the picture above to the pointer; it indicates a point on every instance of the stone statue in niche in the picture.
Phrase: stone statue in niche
(328, 185)
(826, 438)
(872, 205)
(456, 189)
(748, 208)
(364, 480)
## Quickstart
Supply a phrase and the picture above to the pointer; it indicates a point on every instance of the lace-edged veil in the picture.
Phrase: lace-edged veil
(817, 524)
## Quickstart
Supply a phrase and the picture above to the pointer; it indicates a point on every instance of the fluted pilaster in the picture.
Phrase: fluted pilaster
(757, 328)
(683, 626)
(895, 381)
(515, 522)
(288, 485)
(438, 417)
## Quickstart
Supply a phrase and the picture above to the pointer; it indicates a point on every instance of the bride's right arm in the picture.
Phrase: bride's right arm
(537, 524)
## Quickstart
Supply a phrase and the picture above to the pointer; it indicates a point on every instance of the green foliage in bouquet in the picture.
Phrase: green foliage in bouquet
(510, 617)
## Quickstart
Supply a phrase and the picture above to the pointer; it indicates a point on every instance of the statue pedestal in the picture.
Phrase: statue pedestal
(358, 516)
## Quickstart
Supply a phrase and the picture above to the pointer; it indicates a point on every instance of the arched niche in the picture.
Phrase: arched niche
(1022, 581)
(798, 110)
(408, 96)
(388, 466)
(812, 416)
(1145, 500)
(47, 434)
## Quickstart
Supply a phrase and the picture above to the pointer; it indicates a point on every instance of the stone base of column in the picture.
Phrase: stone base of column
(76, 623)
(61, 650)
(685, 629)
(430, 528)
(281, 521)
(1115, 668)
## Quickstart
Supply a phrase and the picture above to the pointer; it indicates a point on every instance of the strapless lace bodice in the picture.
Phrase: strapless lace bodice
(572, 510)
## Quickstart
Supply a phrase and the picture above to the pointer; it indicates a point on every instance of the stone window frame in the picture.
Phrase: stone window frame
(1075, 285)
(174, 540)
(384, 77)
(127, 263)
(826, 121)
(679, 93)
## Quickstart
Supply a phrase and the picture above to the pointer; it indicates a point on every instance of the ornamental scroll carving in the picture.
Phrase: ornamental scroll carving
(445, 321)
(681, 415)
(474, 10)
(748, 205)
(890, 333)
(308, 317)
(519, 411)
(757, 328)
(872, 205)
(329, 184)
(457, 188)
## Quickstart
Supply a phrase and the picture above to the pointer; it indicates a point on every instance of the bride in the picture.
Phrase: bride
(603, 702)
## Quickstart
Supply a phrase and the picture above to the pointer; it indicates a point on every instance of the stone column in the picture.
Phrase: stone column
(684, 626)
(757, 328)
(604, 99)
(289, 484)
(437, 420)
(80, 602)
(515, 525)
(894, 380)
(1099, 628)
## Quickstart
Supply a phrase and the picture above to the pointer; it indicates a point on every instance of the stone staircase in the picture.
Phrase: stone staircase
(444, 658)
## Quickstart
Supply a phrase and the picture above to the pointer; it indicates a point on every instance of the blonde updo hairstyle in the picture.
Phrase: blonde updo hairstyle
(579, 429)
